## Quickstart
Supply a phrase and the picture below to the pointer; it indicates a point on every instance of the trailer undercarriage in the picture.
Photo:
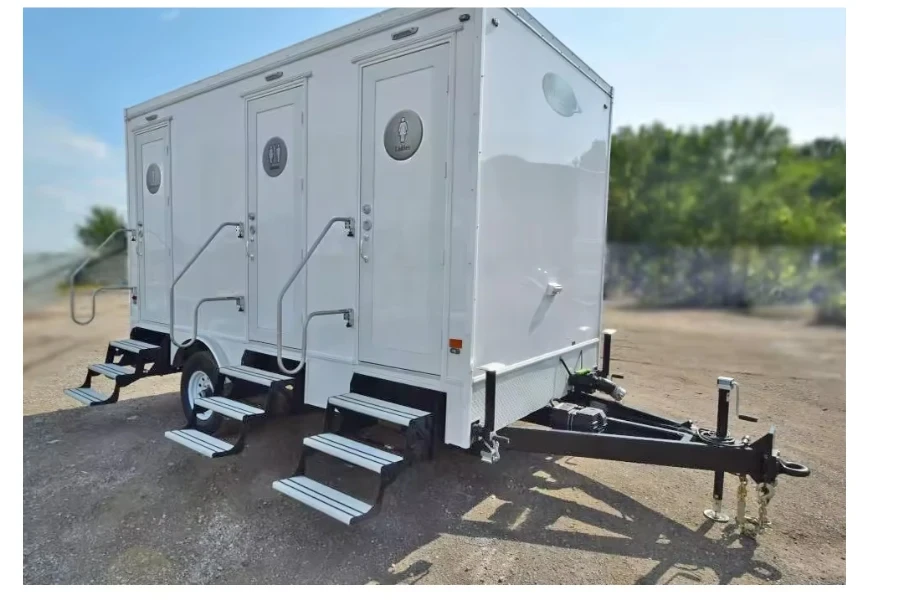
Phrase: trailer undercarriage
(610, 430)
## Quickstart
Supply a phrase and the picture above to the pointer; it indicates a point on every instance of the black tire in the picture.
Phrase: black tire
(202, 361)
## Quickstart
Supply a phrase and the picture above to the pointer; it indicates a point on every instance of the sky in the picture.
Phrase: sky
(682, 67)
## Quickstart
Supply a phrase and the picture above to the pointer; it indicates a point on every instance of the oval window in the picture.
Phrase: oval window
(560, 95)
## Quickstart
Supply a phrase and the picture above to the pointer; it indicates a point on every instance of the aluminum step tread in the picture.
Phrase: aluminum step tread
(353, 452)
(133, 345)
(254, 375)
(230, 408)
(112, 370)
(199, 442)
(380, 409)
(333, 503)
(87, 396)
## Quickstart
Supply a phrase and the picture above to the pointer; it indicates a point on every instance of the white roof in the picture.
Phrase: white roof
(336, 37)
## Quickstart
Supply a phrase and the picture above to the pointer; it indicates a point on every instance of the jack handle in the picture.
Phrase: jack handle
(728, 383)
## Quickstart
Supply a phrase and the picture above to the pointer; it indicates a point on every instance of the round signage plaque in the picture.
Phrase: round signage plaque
(153, 178)
(274, 157)
(403, 135)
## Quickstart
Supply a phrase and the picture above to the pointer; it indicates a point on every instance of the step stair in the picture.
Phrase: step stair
(202, 443)
(254, 375)
(356, 453)
(211, 446)
(87, 396)
(386, 465)
(112, 370)
(230, 408)
(335, 504)
(134, 346)
(378, 409)
(133, 357)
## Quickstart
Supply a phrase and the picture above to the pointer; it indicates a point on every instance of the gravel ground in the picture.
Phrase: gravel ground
(108, 500)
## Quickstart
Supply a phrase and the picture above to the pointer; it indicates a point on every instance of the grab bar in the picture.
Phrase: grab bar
(78, 269)
(348, 318)
(239, 227)
(348, 313)
(241, 304)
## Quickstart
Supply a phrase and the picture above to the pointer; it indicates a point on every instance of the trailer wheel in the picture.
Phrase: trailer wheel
(200, 378)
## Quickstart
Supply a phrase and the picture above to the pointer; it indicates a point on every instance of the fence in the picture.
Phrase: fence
(43, 274)
(726, 277)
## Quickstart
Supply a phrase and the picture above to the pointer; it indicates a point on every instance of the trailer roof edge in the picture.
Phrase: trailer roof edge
(542, 32)
(381, 21)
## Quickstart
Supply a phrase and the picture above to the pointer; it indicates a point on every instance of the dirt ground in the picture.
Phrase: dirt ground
(107, 499)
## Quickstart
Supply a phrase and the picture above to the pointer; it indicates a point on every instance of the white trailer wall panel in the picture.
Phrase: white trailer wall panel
(541, 211)
(210, 182)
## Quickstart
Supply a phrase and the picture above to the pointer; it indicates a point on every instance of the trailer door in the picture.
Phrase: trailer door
(404, 188)
(154, 223)
(276, 237)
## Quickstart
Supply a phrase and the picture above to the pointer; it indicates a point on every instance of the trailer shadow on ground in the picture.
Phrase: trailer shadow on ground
(108, 500)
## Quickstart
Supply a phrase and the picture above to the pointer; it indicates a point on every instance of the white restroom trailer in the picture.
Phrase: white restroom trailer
(465, 156)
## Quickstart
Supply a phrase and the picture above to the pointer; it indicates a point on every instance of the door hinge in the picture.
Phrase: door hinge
(301, 184)
(445, 169)
(167, 150)
(301, 118)
(448, 84)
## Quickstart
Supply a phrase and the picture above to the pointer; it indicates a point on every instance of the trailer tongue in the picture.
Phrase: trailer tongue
(584, 424)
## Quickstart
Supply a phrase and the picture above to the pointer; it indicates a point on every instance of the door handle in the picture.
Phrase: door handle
(363, 255)
(251, 234)
(139, 246)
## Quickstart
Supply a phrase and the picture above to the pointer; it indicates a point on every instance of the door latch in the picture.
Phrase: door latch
(251, 233)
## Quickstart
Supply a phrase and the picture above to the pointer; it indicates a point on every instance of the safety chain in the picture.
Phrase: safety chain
(764, 494)
(741, 516)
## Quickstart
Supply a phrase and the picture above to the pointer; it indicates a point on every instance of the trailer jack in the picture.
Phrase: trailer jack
(591, 422)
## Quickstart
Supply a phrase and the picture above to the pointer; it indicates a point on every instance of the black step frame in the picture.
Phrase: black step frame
(157, 357)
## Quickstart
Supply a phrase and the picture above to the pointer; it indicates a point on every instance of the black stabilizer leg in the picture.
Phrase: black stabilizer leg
(490, 403)
(491, 450)
(715, 513)
(607, 352)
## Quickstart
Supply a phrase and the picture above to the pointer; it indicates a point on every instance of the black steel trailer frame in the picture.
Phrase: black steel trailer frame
(632, 435)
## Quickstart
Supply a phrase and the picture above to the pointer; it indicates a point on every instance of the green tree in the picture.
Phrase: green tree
(710, 215)
(734, 182)
(101, 222)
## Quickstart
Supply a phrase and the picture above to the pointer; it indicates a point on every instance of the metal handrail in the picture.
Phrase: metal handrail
(94, 301)
(348, 313)
(240, 231)
(238, 299)
(348, 317)
(78, 269)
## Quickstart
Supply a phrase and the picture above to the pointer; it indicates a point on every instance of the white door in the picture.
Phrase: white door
(403, 212)
(154, 224)
(276, 154)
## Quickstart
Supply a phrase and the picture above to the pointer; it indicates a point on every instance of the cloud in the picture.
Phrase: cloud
(170, 15)
(66, 172)
(85, 143)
